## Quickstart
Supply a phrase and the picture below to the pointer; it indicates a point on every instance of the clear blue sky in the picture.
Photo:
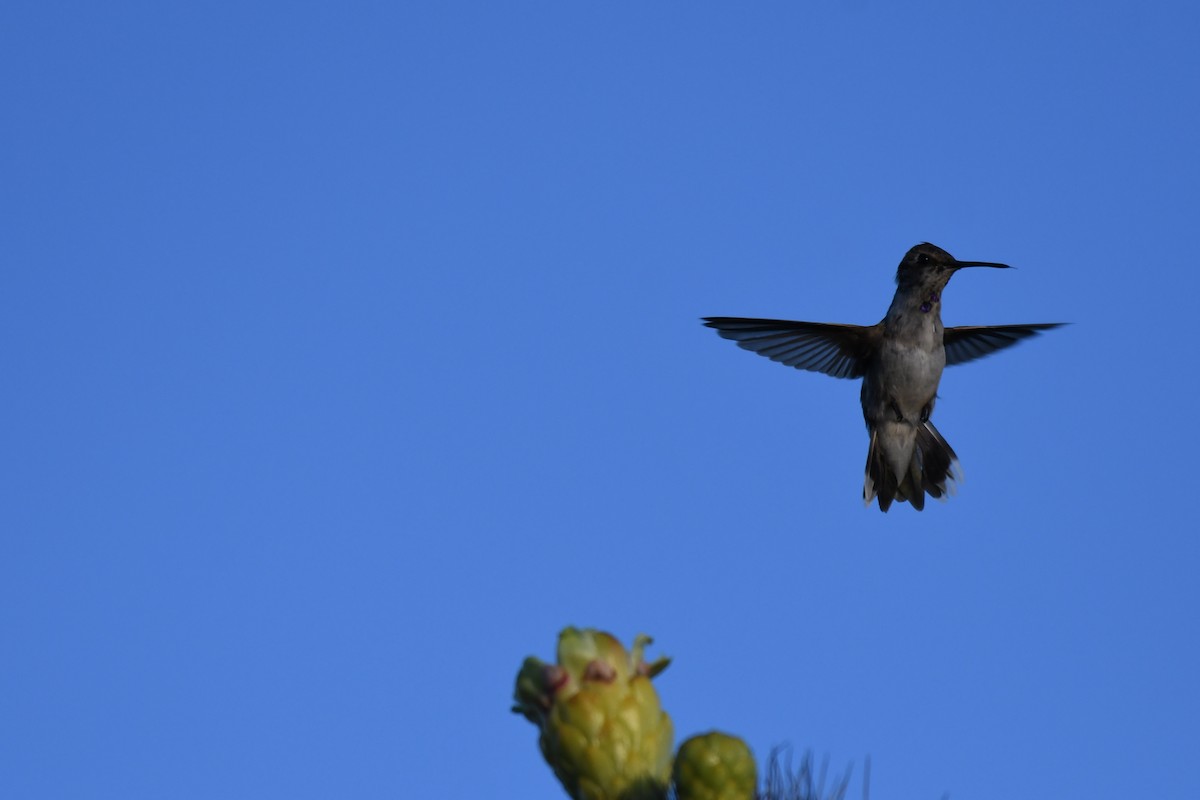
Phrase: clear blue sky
(351, 350)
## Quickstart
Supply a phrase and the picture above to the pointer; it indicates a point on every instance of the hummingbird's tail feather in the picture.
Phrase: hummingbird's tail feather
(911, 488)
(932, 468)
(880, 481)
(940, 467)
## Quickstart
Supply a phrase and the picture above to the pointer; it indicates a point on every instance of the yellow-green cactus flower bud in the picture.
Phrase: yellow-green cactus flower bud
(715, 766)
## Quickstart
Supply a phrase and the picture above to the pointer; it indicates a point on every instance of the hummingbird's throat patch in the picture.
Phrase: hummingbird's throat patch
(927, 306)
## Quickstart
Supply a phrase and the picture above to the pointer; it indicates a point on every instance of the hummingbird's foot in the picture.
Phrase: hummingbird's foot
(896, 409)
(925, 412)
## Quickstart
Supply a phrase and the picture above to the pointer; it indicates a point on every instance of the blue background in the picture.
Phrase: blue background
(350, 351)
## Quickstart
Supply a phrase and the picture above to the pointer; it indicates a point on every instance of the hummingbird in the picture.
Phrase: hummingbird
(900, 360)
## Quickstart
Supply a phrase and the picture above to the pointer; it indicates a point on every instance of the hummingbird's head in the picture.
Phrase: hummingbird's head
(928, 267)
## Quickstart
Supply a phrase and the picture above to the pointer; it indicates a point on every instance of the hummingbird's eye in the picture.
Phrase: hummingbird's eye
(923, 258)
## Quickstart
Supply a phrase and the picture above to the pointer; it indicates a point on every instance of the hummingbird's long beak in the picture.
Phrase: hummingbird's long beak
(961, 264)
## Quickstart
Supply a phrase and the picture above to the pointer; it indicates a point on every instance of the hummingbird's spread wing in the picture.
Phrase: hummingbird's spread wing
(970, 342)
(837, 350)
